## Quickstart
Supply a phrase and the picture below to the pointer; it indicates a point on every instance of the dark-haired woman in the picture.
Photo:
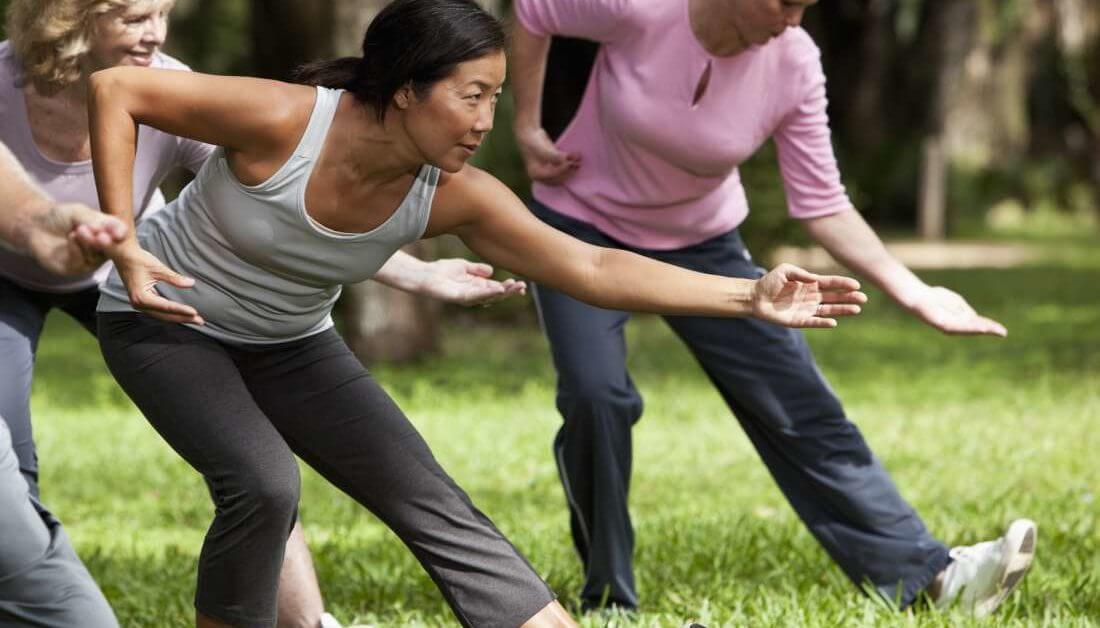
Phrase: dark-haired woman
(235, 363)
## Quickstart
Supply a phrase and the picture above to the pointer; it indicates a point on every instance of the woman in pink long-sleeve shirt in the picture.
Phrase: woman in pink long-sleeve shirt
(682, 91)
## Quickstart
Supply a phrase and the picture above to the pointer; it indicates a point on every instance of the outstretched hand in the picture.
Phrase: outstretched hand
(467, 283)
(948, 312)
(793, 297)
(140, 271)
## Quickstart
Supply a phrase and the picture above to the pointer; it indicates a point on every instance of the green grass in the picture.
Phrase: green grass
(975, 431)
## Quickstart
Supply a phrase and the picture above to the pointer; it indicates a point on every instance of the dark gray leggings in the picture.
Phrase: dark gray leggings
(237, 414)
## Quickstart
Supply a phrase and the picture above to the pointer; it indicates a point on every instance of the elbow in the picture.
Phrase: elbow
(104, 86)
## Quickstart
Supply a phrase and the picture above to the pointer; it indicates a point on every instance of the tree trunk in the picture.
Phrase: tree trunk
(978, 117)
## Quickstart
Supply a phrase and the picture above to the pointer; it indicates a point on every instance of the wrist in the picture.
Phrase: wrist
(909, 294)
(124, 250)
(524, 126)
(745, 295)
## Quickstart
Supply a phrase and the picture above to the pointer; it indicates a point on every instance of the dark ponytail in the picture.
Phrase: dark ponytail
(410, 42)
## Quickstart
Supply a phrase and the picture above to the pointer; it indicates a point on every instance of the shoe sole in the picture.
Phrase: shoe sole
(1020, 550)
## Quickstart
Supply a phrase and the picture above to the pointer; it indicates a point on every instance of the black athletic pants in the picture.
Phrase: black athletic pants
(237, 414)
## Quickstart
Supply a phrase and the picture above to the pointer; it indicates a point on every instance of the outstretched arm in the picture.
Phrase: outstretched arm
(452, 280)
(495, 224)
(852, 242)
(32, 224)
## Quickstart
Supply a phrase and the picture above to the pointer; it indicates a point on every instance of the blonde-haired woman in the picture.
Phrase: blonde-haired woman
(55, 45)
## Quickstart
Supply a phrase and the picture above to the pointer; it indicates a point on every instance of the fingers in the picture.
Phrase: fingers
(479, 269)
(157, 306)
(552, 173)
(975, 326)
(815, 322)
(168, 275)
(832, 283)
(829, 310)
(854, 296)
(836, 283)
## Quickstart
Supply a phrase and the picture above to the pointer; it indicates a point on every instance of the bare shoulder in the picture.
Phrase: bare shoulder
(469, 188)
(465, 197)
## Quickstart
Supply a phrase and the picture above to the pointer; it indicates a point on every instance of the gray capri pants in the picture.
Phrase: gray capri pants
(239, 413)
(23, 313)
(42, 582)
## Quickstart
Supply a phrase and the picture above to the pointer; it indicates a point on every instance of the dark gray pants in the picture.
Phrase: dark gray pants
(768, 378)
(42, 582)
(238, 414)
(22, 315)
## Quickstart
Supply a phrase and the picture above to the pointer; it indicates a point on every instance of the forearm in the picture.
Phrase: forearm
(403, 272)
(620, 280)
(852, 242)
(23, 204)
(528, 58)
(114, 147)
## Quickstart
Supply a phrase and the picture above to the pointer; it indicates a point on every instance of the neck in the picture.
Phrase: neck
(377, 152)
(715, 28)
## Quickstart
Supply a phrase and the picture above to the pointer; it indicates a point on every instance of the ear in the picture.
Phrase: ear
(403, 97)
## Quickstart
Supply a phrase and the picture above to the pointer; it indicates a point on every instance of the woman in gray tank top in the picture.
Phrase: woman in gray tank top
(216, 322)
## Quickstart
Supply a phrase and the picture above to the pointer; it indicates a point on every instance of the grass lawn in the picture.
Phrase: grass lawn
(975, 431)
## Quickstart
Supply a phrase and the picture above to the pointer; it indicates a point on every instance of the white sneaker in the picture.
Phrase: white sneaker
(981, 576)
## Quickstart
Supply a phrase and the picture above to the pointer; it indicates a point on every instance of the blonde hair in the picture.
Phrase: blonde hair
(51, 38)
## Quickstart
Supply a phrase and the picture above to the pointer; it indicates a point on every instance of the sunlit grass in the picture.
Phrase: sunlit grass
(975, 431)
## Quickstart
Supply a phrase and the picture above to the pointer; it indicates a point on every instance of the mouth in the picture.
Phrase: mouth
(141, 58)
(470, 148)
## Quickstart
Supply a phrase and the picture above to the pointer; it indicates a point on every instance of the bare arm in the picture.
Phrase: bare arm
(257, 121)
(852, 242)
(24, 203)
(543, 161)
(64, 238)
(495, 224)
(452, 280)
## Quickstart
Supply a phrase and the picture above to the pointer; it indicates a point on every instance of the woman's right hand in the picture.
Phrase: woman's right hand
(542, 159)
(140, 271)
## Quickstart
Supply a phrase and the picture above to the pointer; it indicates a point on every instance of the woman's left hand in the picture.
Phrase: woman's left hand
(948, 312)
(793, 297)
(466, 283)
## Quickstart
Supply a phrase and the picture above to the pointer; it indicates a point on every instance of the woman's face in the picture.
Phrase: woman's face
(130, 35)
(757, 21)
(450, 123)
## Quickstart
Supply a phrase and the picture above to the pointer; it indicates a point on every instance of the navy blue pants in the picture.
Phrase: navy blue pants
(768, 377)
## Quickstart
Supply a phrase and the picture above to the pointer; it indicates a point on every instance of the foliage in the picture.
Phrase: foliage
(975, 431)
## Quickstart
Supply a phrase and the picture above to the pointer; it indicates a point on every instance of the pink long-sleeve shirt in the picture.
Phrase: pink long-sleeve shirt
(661, 173)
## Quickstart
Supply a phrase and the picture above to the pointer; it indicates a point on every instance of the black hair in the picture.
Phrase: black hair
(410, 42)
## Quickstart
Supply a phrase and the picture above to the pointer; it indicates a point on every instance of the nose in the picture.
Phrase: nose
(485, 114)
(156, 30)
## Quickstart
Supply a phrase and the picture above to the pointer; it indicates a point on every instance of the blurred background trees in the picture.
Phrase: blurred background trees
(970, 118)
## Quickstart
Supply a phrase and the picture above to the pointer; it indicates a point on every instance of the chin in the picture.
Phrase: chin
(450, 166)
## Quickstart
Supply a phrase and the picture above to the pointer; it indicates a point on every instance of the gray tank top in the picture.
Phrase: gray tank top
(264, 271)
